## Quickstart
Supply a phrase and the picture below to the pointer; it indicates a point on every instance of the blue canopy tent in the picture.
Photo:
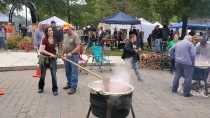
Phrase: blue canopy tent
(121, 18)
(190, 26)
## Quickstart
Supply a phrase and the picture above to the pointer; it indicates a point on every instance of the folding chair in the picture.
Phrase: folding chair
(99, 59)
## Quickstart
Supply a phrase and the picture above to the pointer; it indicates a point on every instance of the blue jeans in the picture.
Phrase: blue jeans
(157, 45)
(172, 65)
(53, 69)
(185, 71)
(2, 42)
(136, 67)
(72, 71)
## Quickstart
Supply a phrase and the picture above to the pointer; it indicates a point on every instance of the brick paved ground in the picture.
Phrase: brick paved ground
(152, 98)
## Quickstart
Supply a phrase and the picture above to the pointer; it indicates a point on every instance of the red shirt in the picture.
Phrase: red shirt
(49, 47)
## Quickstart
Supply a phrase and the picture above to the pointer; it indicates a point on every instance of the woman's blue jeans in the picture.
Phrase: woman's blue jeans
(53, 69)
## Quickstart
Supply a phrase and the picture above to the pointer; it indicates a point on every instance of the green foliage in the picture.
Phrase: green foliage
(145, 9)
(3, 5)
(25, 44)
(193, 8)
(17, 42)
(95, 10)
(113, 52)
(165, 8)
(174, 19)
(12, 41)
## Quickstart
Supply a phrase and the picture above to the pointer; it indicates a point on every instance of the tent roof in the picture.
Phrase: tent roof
(59, 22)
(157, 23)
(191, 26)
(143, 21)
(121, 18)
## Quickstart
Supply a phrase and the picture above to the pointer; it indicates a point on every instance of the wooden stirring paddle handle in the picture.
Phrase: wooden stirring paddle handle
(93, 73)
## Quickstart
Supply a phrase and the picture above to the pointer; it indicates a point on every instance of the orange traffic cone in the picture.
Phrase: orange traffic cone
(37, 72)
(1, 92)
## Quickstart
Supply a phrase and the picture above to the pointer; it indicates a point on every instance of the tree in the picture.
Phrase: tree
(3, 5)
(191, 8)
(145, 9)
(165, 8)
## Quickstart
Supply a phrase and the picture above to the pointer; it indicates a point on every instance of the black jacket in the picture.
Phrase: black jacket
(129, 52)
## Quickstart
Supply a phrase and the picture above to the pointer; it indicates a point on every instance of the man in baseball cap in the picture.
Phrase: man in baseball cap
(71, 49)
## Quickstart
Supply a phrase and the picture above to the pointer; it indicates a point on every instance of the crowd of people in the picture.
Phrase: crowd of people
(186, 63)
(106, 38)
(189, 57)
(5, 32)
(50, 45)
(52, 42)
(8, 30)
(160, 38)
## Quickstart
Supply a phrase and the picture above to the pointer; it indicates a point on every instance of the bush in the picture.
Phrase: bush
(25, 44)
(12, 41)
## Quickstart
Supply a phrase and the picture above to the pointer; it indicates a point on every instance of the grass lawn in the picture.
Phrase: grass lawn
(113, 52)
(117, 52)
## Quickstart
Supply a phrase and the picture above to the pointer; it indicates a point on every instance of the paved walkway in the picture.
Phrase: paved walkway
(11, 59)
(151, 99)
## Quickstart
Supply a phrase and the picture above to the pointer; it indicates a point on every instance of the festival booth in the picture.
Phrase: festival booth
(190, 26)
(147, 27)
(59, 22)
(124, 21)
(121, 18)
(120, 21)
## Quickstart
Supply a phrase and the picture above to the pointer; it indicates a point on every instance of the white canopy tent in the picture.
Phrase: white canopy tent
(145, 26)
(157, 23)
(3, 18)
(59, 22)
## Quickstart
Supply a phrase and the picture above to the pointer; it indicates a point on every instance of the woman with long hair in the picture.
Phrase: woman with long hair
(48, 60)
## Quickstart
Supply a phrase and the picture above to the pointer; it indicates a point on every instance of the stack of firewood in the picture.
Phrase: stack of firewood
(152, 60)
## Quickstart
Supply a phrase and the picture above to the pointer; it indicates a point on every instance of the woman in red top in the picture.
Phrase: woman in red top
(48, 60)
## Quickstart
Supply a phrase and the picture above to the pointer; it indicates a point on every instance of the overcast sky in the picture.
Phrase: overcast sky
(23, 12)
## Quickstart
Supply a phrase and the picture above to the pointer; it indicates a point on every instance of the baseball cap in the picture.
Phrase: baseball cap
(67, 26)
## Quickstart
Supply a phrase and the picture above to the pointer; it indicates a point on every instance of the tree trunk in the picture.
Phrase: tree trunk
(164, 20)
(69, 18)
(69, 14)
(184, 26)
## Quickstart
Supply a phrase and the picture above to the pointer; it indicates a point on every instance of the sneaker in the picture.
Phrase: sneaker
(40, 91)
(140, 79)
(188, 95)
(72, 91)
(55, 93)
(174, 92)
(66, 87)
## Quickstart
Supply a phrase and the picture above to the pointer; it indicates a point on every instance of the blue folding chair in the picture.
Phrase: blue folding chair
(98, 57)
